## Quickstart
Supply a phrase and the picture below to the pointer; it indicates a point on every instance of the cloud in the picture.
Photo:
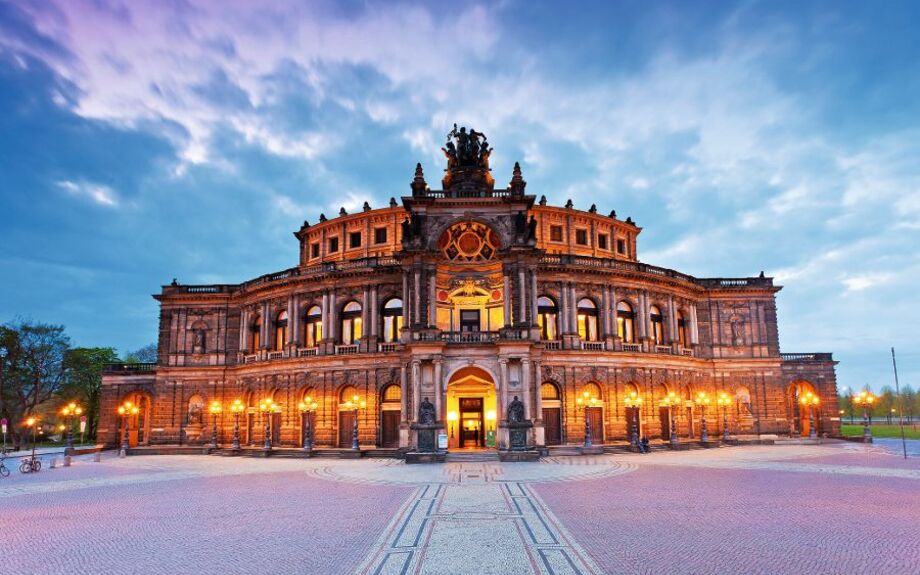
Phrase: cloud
(97, 193)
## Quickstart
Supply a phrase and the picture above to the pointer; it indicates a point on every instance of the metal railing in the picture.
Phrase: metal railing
(130, 367)
(807, 356)
(470, 336)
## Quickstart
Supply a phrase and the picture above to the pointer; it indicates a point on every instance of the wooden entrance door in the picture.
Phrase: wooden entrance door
(389, 436)
(664, 415)
(346, 425)
(276, 429)
(552, 425)
(250, 428)
(596, 417)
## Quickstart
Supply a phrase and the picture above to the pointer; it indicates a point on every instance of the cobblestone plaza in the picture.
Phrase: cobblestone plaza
(834, 508)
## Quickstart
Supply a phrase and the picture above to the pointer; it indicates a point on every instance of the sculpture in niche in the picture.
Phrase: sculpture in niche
(515, 411)
(426, 413)
(532, 229)
(195, 411)
(737, 328)
(199, 344)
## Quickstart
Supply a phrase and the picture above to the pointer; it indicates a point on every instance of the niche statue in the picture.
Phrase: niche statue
(515, 411)
(426, 413)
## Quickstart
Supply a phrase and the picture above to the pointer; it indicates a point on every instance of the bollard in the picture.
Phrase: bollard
(53, 462)
(97, 457)
(66, 461)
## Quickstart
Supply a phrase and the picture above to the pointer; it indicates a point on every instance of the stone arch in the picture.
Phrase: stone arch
(801, 417)
(139, 424)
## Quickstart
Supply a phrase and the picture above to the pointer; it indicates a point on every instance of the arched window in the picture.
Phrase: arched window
(392, 319)
(309, 395)
(547, 312)
(593, 389)
(351, 323)
(549, 391)
(348, 393)
(587, 320)
(681, 329)
(392, 394)
(281, 327)
(657, 325)
(257, 333)
(625, 322)
(313, 321)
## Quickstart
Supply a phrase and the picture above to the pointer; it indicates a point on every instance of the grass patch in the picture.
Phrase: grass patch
(911, 431)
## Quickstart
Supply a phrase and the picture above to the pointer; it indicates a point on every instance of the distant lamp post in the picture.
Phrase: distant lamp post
(237, 408)
(633, 401)
(267, 407)
(724, 401)
(355, 404)
(126, 410)
(703, 400)
(215, 410)
(31, 423)
(587, 400)
(307, 408)
(70, 411)
(865, 399)
(810, 402)
(670, 402)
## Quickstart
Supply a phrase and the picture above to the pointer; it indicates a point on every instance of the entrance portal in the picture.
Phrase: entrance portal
(471, 410)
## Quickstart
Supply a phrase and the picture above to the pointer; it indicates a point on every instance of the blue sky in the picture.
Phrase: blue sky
(143, 141)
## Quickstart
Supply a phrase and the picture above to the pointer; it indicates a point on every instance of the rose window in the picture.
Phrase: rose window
(469, 242)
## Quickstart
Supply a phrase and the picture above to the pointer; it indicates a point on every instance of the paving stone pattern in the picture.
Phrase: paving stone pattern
(771, 510)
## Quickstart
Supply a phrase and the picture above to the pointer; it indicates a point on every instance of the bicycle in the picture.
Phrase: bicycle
(4, 470)
(30, 465)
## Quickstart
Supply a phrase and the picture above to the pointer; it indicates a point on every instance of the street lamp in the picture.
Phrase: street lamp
(587, 400)
(810, 401)
(865, 399)
(451, 418)
(355, 404)
(670, 402)
(31, 423)
(724, 401)
(236, 408)
(215, 410)
(70, 411)
(703, 400)
(267, 407)
(307, 408)
(126, 410)
(633, 401)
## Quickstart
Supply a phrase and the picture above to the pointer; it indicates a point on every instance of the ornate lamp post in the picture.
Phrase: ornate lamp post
(32, 423)
(724, 401)
(703, 400)
(633, 401)
(307, 408)
(587, 400)
(670, 402)
(70, 411)
(267, 407)
(865, 399)
(355, 404)
(810, 402)
(215, 410)
(237, 408)
(126, 410)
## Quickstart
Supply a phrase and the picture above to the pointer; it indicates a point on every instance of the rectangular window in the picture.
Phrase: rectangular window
(333, 245)
(621, 247)
(314, 250)
(581, 237)
(602, 241)
(380, 235)
(354, 240)
(555, 233)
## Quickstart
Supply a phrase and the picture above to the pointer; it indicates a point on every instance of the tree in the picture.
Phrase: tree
(31, 370)
(83, 380)
(146, 354)
(908, 400)
(886, 402)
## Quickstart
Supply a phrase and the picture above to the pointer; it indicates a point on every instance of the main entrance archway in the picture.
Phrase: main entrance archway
(471, 409)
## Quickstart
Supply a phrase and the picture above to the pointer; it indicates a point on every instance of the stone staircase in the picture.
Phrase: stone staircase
(488, 456)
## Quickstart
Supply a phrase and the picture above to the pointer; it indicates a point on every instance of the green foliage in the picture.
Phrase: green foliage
(146, 354)
(83, 380)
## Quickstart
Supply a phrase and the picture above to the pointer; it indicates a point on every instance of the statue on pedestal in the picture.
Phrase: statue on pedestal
(426, 413)
(515, 411)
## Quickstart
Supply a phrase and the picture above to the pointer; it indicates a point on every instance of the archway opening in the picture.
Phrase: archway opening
(472, 409)
(804, 414)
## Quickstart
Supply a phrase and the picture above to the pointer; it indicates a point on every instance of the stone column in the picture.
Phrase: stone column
(642, 323)
(244, 329)
(325, 315)
(613, 312)
(405, 299)
(416, 389)
(522, 296)
(333, 316)
(416, 297)
(538, 396)
(573, 298)
(440, 396)
(292, 319)
(605, 312)
(694, 328)
(404, 396)
(374, 312)
(267, 321)
(563, 316)
(432, 299)
(525, 383)
(506, 289)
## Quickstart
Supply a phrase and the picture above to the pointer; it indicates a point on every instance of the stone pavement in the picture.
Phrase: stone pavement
(788, 509)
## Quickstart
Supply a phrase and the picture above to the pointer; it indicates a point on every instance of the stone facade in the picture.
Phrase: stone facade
(469, 296)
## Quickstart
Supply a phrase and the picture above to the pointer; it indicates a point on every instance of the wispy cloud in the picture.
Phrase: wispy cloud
(97, 193)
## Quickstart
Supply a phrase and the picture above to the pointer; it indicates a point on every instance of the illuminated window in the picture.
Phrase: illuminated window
(256, 330)
(281, 330)
(392, 394)
(625, 321)
(348, 393)
(547, 312)
(657, 325)
(681, 329)
(392, 320)
(587, 320)
(549, 391)
(593, 389)
(351, 323)
(314, 326)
